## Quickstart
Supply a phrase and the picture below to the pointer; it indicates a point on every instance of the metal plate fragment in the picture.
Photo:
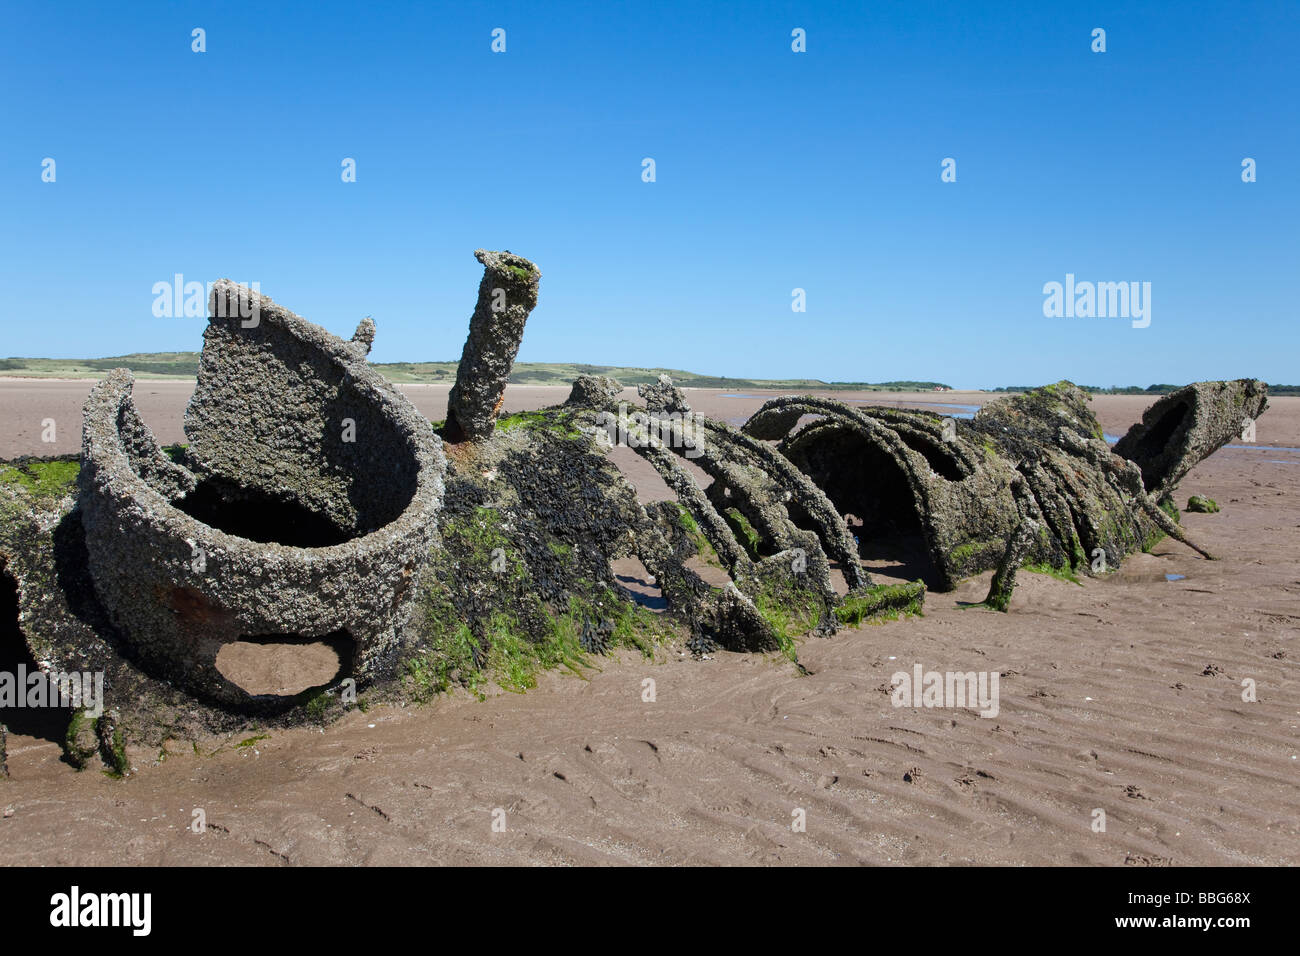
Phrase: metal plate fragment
(304, 507)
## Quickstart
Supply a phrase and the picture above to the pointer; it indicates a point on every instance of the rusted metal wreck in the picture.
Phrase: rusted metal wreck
(312, 502)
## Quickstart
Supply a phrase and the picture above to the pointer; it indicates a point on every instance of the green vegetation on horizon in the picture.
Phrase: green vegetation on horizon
(186, 365)
(147, 365)
(1139, 390)
(144, 365)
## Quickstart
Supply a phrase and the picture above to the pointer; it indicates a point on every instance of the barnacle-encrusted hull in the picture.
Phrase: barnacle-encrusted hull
(306, 506)
(312, 501)
(968, 488)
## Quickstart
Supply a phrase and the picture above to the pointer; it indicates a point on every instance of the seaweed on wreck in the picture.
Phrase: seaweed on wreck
(311, 502)
(1029, 481)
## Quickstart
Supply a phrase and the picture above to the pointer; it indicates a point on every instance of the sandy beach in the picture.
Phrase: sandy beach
(1123, 695)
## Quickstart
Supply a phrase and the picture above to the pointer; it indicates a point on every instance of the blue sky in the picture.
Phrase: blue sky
(775, 170)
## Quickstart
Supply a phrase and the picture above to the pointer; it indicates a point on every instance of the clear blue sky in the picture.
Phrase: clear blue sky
(775, 170)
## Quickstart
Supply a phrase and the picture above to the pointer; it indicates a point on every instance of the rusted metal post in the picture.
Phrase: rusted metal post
(506, 296)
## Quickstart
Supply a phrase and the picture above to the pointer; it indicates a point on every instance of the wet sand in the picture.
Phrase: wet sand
(1122, 695)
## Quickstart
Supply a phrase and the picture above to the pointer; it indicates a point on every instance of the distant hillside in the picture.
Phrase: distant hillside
(186, 364)
(1138, 390)
(147, 365)
(563, 373)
